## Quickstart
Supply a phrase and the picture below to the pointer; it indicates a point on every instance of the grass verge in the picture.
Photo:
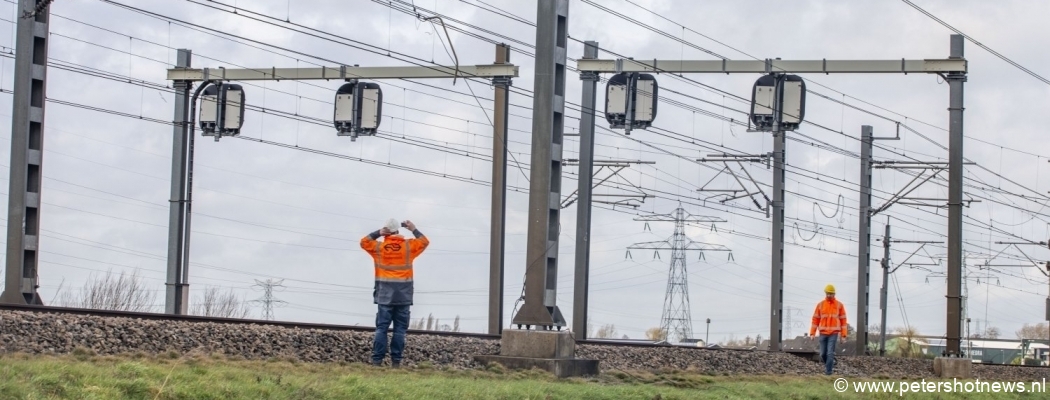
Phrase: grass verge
(83, 375)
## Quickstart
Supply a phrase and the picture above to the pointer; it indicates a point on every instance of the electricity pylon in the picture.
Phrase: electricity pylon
(677, 321)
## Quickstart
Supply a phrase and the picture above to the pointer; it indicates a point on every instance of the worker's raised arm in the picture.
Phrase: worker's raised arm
(420, 243)
(368, 243)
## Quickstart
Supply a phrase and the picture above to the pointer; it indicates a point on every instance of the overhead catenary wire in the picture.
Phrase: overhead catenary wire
(979, 44)
(825, 128)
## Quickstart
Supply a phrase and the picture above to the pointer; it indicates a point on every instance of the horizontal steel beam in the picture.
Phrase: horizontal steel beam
(768, 66)
(733, 159)
(577, 160)
(881, 166)
(726, 155)
(911, 162)
(341, 72)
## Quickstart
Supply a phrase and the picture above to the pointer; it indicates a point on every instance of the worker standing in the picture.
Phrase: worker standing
(393, 257)
(830, 319)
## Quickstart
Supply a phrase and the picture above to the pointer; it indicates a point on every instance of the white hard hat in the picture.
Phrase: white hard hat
(392, 225)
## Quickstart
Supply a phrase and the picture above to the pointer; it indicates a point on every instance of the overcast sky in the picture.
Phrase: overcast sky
(265, 211)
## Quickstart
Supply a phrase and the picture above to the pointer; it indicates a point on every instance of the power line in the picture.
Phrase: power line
(979, 44)
(360, 42)
(325, 153)
(682, 40)
(519, 166)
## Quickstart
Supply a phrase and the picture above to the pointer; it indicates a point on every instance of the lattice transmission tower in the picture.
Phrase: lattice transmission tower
(677, 320)
(268, 301)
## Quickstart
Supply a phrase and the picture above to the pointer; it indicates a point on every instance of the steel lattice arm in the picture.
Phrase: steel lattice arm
(671, 218)
(666, 245)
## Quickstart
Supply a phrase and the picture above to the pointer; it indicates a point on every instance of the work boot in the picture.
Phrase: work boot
(396, 364)
(377, 363)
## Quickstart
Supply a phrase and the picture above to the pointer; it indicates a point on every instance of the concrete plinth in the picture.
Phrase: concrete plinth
(552, 351)
(560, 367)
(946, 367)
(537, 344)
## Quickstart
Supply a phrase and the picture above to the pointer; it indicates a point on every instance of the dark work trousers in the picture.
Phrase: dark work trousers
(399, 315)
(827, 351)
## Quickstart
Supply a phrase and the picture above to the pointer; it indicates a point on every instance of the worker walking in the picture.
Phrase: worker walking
(393, 257)
(830, 319)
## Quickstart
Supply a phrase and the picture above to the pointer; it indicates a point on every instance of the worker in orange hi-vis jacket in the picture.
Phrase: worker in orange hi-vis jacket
(830, 319)
(393, 257)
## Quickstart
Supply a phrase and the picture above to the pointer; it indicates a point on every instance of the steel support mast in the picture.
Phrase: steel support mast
(27, 148)
(955, 199)
(177, 287)
(864, 249)
(541, 256)
(499, 193)
(583, 197)
(776, 299)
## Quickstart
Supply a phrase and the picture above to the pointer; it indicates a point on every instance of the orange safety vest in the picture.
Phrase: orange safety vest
(829, 318)
(393, 258)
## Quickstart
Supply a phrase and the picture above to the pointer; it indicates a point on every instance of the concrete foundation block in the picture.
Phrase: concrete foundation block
(560, 367)
(947, 367)
(537, 344)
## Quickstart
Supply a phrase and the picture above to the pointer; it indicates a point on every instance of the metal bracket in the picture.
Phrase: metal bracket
(901, 194)
(738, 158)
(502, 81)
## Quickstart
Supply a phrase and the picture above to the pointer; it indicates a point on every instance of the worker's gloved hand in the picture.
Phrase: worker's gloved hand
(384, 231)
(408, 224)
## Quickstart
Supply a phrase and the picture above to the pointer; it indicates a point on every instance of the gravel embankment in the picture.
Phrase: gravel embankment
(61, 333)
(49, 333)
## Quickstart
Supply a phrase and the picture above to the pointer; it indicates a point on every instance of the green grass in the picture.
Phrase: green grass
(83, 375)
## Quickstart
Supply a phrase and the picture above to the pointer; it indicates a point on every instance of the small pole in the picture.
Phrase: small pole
(884, 292)
(707, 335)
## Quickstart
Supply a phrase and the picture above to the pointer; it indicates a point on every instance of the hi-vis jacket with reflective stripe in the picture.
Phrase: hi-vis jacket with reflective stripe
(829, 318)
(393, 259)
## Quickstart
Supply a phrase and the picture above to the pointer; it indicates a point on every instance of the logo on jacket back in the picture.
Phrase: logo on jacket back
(392, 247)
